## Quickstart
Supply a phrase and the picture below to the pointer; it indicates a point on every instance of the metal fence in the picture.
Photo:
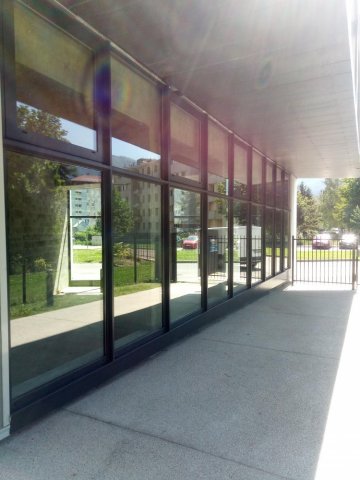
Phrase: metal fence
(327, 261)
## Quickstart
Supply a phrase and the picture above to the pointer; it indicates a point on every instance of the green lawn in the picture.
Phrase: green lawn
(36, 301)
(317, 255)
(87, 255)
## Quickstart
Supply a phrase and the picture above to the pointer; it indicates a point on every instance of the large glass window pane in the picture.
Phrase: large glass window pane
(257, 183)
(185, 144)
(240, 171)
(279, 188)
(278, 242)
(54, 81)
(269, 241)
(269, 184)
(217, 261)
(240, 254)
(256, 243)
(135, 121)
(55, 260)
(185, 257)
(136, 258)
(218, 152)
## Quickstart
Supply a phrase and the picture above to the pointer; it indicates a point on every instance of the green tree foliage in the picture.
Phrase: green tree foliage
(330, 204)
(123, 218)
(308, 216)
(37, 205)
(36, 198)
(36, 121)
(350, 192)
(355, 220)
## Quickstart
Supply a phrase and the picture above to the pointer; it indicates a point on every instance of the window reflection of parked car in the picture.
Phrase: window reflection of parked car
(191, 242)
(348, 240)
(322, 241)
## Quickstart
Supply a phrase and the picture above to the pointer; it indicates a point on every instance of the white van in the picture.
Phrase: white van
(240, 242)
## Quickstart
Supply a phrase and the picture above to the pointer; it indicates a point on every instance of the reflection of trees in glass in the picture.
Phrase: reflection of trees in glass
(37, 205)
(123, 221)
(240, 189)
(187, 208)
(37, 121)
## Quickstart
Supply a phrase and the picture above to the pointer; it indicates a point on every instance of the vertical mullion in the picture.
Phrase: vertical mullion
(249, 243)
(103, 107)
(165, 204)
(231, 170)
(204, 212)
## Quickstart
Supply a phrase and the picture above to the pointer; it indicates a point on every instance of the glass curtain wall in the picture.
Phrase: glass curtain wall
(137, 250)
(218, 153)
(278, 241)
(257, 178)
(269, 241)
(240, 254)
(185, 253)
(257, 232)
(269, 184)
(54, 81)
(241, 188)
(56, 254)
(56, 322)
(135, 121)
(217, 255)
(185, 144)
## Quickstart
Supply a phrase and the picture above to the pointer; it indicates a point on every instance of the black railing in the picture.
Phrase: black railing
(323, 260)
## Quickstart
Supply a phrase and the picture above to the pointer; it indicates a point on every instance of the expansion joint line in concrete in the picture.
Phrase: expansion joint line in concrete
(325, 357)
(172, 442)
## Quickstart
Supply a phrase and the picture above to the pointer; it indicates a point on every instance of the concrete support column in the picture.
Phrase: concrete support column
(293, 207)
(4, 320)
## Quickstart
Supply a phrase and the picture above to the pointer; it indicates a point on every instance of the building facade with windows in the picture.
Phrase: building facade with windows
(110, 160)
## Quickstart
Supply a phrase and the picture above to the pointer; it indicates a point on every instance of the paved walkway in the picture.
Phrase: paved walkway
(269, 392)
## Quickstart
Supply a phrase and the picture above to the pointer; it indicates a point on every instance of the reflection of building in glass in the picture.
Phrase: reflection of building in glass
(85, 201)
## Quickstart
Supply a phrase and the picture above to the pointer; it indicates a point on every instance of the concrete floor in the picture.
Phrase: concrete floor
(269, 392)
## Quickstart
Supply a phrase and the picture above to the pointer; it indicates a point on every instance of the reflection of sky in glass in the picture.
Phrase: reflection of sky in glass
(124, 149)
(75, 134)
(79, 135)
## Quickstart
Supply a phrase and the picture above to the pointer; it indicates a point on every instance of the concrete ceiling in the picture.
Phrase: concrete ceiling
(277, 72)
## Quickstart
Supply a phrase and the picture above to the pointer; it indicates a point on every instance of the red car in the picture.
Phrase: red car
(322, 241)
(191, 241)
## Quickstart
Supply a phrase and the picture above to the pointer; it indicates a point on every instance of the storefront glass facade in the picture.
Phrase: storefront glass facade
(129, 210)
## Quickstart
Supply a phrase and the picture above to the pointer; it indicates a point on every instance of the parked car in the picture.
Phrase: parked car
(322, 241)
(191, 241)
(348, 240)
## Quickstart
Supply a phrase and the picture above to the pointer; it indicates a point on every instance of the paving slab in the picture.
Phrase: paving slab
(68, 446)
(247, 397)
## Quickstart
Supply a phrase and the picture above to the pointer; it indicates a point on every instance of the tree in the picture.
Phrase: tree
(330, 204)
(36, 197)
(37, 121)
(308, 217)
(123, 220)
(355, 220)
(350, 192)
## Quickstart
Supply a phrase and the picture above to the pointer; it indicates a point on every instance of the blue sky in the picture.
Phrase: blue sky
(315, 184)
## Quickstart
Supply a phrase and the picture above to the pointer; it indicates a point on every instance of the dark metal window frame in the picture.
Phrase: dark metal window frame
(199, 115)
(248, 150)
(100, 160)
(100, 49)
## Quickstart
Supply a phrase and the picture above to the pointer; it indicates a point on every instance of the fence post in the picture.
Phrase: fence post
(355, 258)
(49, 287)
(24, 281)
(135, 259)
